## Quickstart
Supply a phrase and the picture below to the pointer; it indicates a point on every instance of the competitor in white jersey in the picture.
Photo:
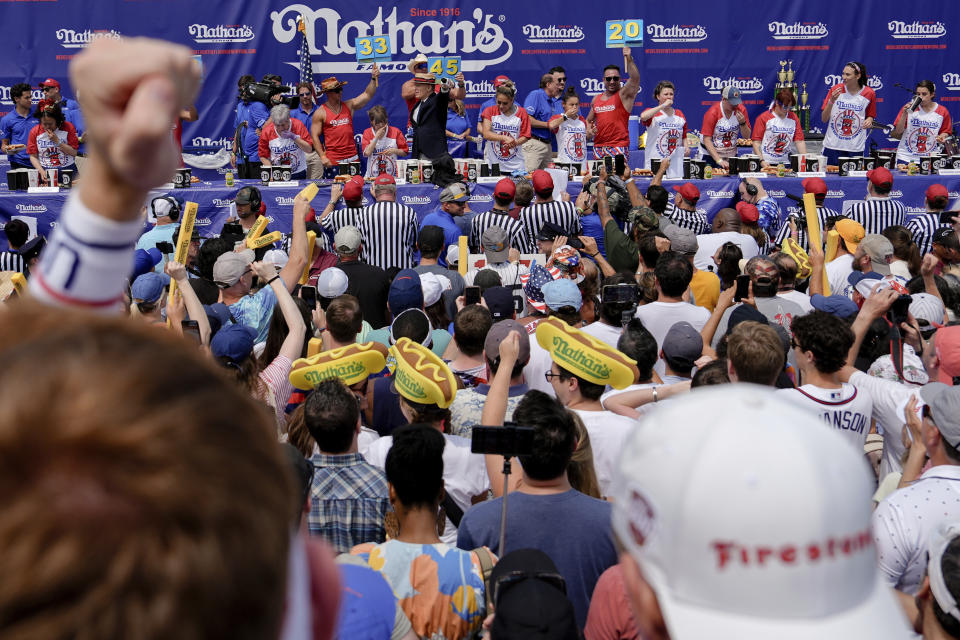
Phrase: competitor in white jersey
(922, 130)
(285, 141)
(848, 110)
(666, 130)
(776, 130)
(820, 344)
(723, 125)
(382, 144)
(507, 126)
(571, 130)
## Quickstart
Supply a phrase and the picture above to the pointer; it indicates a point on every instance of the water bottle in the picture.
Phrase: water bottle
(229, 178)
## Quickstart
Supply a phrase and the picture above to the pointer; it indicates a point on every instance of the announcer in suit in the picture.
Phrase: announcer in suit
(428, 116)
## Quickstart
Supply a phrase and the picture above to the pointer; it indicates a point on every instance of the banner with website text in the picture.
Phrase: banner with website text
(699, 45)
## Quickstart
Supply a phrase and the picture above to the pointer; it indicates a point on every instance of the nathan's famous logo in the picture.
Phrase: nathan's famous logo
(70, 39)
(676, 33)
(349, 370)
(204, 33)
(481, 198)
(952, 81)
(402, 380)
(283, 201)
(415, 199)
(798, 30)
(5, 98)
(719, 194)
(480, 40)
(875, 82)
(553, 33)
(200, 141)
(836, 193)
(203, 222)
(577, 358)
(31, 208)
(916, 29)
(220, 203)
(715, 85)
(481, 89)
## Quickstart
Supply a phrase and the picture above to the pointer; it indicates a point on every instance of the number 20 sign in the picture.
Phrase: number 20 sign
(624, 33)
(373, 48)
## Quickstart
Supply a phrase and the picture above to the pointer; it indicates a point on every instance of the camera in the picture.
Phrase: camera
(261, 92)
(899, 310)
(508, 440)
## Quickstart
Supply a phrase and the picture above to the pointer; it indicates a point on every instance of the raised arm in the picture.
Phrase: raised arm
(495, 408)
(361, 100)
(293, 344)
(291, 272)
(628, 93)
(190, 300)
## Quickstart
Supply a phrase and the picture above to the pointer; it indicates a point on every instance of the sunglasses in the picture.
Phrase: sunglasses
(512, 578)
(561, 79)
(49, 88)
(337, 90)
(304, 95)
(612, 78)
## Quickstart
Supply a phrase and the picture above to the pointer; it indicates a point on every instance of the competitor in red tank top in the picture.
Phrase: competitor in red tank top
(334, 120)
(610, 111)
(338, 133)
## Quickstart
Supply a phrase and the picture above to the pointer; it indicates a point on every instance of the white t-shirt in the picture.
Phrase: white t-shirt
(802, 299)
(845, 130)
(665, 136)
(845, 409)
(515, 125)
(608, 437)
(708, 243)
(658, 317)
(838, 270)
(642, 409)
(464, 473)
(889, 399)
(571, 139)
(604, 332)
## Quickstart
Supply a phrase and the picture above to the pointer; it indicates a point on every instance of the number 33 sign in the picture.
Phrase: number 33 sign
(624, 33)
(373, 48)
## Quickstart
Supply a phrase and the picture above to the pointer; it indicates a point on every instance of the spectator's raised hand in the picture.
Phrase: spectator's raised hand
(176, 271)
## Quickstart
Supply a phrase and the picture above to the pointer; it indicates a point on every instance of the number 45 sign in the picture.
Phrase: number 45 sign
(624, 33)
(373, 48)
(444, 67)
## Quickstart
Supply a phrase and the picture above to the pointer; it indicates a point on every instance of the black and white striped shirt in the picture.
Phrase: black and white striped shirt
(687, 219)
(922, 228)
(562, 214)
(11, 261)
(876, 214)
(336, 220)
(502, 219)
(823, 213)
(389, 231)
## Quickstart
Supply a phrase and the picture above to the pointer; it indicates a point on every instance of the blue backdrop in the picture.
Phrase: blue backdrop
(700, 45)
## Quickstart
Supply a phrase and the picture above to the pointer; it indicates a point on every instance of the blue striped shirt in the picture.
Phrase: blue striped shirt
(348, 501)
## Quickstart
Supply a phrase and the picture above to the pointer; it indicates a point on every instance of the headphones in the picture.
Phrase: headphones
(751, 189)
(173, 213)
(255, 199)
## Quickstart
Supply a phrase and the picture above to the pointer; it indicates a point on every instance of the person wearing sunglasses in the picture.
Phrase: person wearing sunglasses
(610, 111)
(333, 120)
(306, 106)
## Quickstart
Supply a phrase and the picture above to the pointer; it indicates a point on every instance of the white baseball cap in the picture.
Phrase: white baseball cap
(754, 524)
(332, 282)
(926, 306)
(433, 286)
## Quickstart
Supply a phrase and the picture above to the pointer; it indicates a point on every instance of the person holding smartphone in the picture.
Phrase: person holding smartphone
(666, 130)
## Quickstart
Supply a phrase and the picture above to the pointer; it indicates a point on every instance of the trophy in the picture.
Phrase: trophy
(805, 108)
(790, 73)
(782, 75)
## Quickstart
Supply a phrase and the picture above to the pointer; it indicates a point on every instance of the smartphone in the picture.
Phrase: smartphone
(471, 295)
(309, 295)
(608, 164)
(191, 329)
(619, 164)
(503, 441)
(743, 288)
(946, 217)
(614, 293)
(164, 247)
(231, 229)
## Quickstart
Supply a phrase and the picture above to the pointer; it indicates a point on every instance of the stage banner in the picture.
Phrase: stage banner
(699, 45)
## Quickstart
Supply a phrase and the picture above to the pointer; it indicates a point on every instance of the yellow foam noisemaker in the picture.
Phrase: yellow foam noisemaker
(793, 249)
(257, 229)
(833, 243)
(183, 240)
(351, 364)
(314, 346)
(421, 376)
(311, 243)
(263, 241)
(309, 192)
(585, 356)
(19, 282)
(813, 234)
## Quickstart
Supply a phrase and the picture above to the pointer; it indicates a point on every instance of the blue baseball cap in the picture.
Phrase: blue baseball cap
(562, 293)
(145, 260)
(148, 287)
(840, 306)
(405, 292)
(218, 315)
(234, 341)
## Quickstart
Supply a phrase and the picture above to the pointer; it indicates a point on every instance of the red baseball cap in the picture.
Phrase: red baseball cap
(815, 185)
(689, 192)
(947, 346)
(935, 191)
(505, 189)
(880, 176)
(748, 212)
(385, 178)
(358, 179)
(49, 82)
(542, 181)
(499, 80)
(352, 191)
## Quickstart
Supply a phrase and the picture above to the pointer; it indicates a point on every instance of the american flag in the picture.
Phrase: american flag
(306, 63)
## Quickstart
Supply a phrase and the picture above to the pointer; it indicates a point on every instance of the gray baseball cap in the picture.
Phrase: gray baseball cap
(682, 345)
(495, 243)
(944, 403)
(681, 240)
(732, 94)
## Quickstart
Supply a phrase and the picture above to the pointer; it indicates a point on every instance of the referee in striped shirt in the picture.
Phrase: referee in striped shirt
(684, 210)
(546, 209)
(17, 233)
(388, 228)
(878, 211)
(503, 194)
(923, 226)
(818, 188)
(331, 219)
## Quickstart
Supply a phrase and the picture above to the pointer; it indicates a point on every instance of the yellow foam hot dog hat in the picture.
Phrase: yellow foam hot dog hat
(795, 251)
(584, 356)
(352, 363)
(421, 376)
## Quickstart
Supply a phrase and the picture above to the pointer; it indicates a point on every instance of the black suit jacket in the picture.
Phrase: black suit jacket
(430, 127)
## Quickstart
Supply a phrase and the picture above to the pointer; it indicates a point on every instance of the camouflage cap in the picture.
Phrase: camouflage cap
(644, 219)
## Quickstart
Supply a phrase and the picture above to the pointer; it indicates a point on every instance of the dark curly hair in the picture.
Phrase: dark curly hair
(827, 336)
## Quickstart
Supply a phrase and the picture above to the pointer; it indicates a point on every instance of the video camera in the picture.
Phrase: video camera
(618, 200)
(261, 92)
